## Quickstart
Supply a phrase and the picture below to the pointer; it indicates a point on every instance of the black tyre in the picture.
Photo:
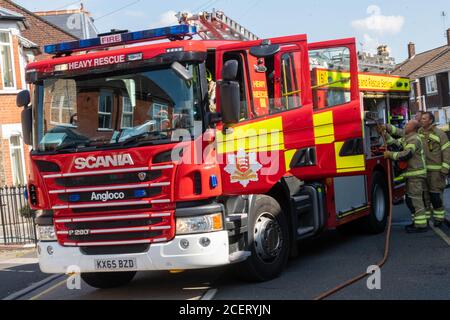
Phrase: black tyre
(268, 242)
(376, 222)
(108, 280)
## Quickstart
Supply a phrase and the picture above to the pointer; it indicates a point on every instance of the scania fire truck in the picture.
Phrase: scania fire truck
(155, 151)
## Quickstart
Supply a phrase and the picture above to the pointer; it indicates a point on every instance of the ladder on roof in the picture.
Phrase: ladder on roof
(216, 25)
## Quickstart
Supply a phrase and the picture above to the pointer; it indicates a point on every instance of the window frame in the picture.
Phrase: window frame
(448, 78)
(346, 92)
(20, 148)
(60, 116)
(297, 82)
(126, 113)
(11, 50)
(105, 93)
(428, 84)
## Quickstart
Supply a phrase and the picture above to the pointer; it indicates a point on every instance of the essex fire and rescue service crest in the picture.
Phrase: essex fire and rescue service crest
(243, 168)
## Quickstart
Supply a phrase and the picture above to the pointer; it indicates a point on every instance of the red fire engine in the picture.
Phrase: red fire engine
(190, 154)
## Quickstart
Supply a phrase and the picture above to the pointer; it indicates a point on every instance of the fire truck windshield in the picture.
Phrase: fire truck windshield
(116, 109)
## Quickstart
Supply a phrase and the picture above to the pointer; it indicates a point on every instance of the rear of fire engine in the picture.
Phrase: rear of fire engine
(136, 167)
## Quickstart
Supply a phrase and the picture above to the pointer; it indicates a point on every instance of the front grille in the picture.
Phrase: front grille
(111, 209)
(116, 236)
(110, 179)
(138, 228)
(94, 196)
(130, 249)
(112, 224)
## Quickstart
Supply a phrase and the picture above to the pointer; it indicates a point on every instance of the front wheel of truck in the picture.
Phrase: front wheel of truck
(108, 280)
(268, 242)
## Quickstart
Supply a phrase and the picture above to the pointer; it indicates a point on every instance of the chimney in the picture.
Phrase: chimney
(448, 37)
(411, 50)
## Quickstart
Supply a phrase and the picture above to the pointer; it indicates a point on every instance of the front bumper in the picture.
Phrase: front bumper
(164, 256)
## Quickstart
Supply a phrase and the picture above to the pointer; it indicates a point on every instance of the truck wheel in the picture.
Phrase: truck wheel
(268, 242)
(107, 280)
(377, 220)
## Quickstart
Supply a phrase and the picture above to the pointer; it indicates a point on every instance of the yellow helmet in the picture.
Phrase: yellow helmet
(209, 76)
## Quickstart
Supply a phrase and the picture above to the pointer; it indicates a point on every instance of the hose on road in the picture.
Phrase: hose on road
(386, 248)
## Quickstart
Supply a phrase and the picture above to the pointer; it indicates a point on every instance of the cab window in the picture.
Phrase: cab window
(330, 77)
(276, 84)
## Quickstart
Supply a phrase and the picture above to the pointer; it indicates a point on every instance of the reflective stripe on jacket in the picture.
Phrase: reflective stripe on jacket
(413, 153)
(437, 149)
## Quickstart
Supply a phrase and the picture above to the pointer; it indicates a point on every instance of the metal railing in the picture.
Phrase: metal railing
(17, 225)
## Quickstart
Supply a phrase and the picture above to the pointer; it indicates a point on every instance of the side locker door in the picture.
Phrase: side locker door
(256, 153)
(338, 113)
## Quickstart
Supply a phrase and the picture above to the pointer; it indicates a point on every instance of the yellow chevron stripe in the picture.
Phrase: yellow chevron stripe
(261, 136)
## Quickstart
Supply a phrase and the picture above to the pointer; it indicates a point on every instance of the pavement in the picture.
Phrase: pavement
(418, 269)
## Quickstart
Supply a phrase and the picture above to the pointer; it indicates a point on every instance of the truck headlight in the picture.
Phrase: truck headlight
(46, 233)
(200, 224)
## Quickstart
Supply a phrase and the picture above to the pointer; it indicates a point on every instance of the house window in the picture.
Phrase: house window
(127, 113)
(105, 108)
(431, 84)
(7, 65)
(17, 160)
(63, 105)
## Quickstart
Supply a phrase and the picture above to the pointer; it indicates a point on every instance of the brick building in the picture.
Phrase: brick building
(22, 37)
(429, 72)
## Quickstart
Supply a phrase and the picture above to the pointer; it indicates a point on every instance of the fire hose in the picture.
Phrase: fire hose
(387, 239)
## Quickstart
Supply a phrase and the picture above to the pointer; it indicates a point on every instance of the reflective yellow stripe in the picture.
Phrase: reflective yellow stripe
(394, 129)
(259, 136)
(411, 146)
(434, 137)
(288, 156)
(324, 128)
(390, 140)
(434, 168)
(395, 155)
(415, 173)
(349, 163)
(439, 214)
(445, 146)
(446, 166)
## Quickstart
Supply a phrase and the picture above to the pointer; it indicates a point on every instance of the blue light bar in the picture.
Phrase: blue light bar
(174, 32)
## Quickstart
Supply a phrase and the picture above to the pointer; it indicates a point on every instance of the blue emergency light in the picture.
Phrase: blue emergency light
(174, 32)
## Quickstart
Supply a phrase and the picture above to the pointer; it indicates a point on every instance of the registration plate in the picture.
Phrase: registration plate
(115, 264)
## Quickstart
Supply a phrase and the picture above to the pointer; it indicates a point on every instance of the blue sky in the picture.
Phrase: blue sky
(394, 23)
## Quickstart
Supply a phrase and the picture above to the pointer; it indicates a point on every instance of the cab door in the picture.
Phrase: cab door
(276, 113)
(337, 110)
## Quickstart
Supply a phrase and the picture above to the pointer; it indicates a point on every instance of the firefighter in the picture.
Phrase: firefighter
(415, 175)
(212, 86)
(437, 150)
(399, 133)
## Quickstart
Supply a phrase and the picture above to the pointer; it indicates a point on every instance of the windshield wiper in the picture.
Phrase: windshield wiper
(71, 145)
(136, 138)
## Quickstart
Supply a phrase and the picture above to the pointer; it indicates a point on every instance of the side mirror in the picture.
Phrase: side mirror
(230, 94)
(27, 126)
(230, 70)
(23, 99)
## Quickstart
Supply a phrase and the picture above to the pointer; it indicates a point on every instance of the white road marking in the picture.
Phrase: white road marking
(209, 295)
(20, 261)
(32, 288)
(441, 234)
